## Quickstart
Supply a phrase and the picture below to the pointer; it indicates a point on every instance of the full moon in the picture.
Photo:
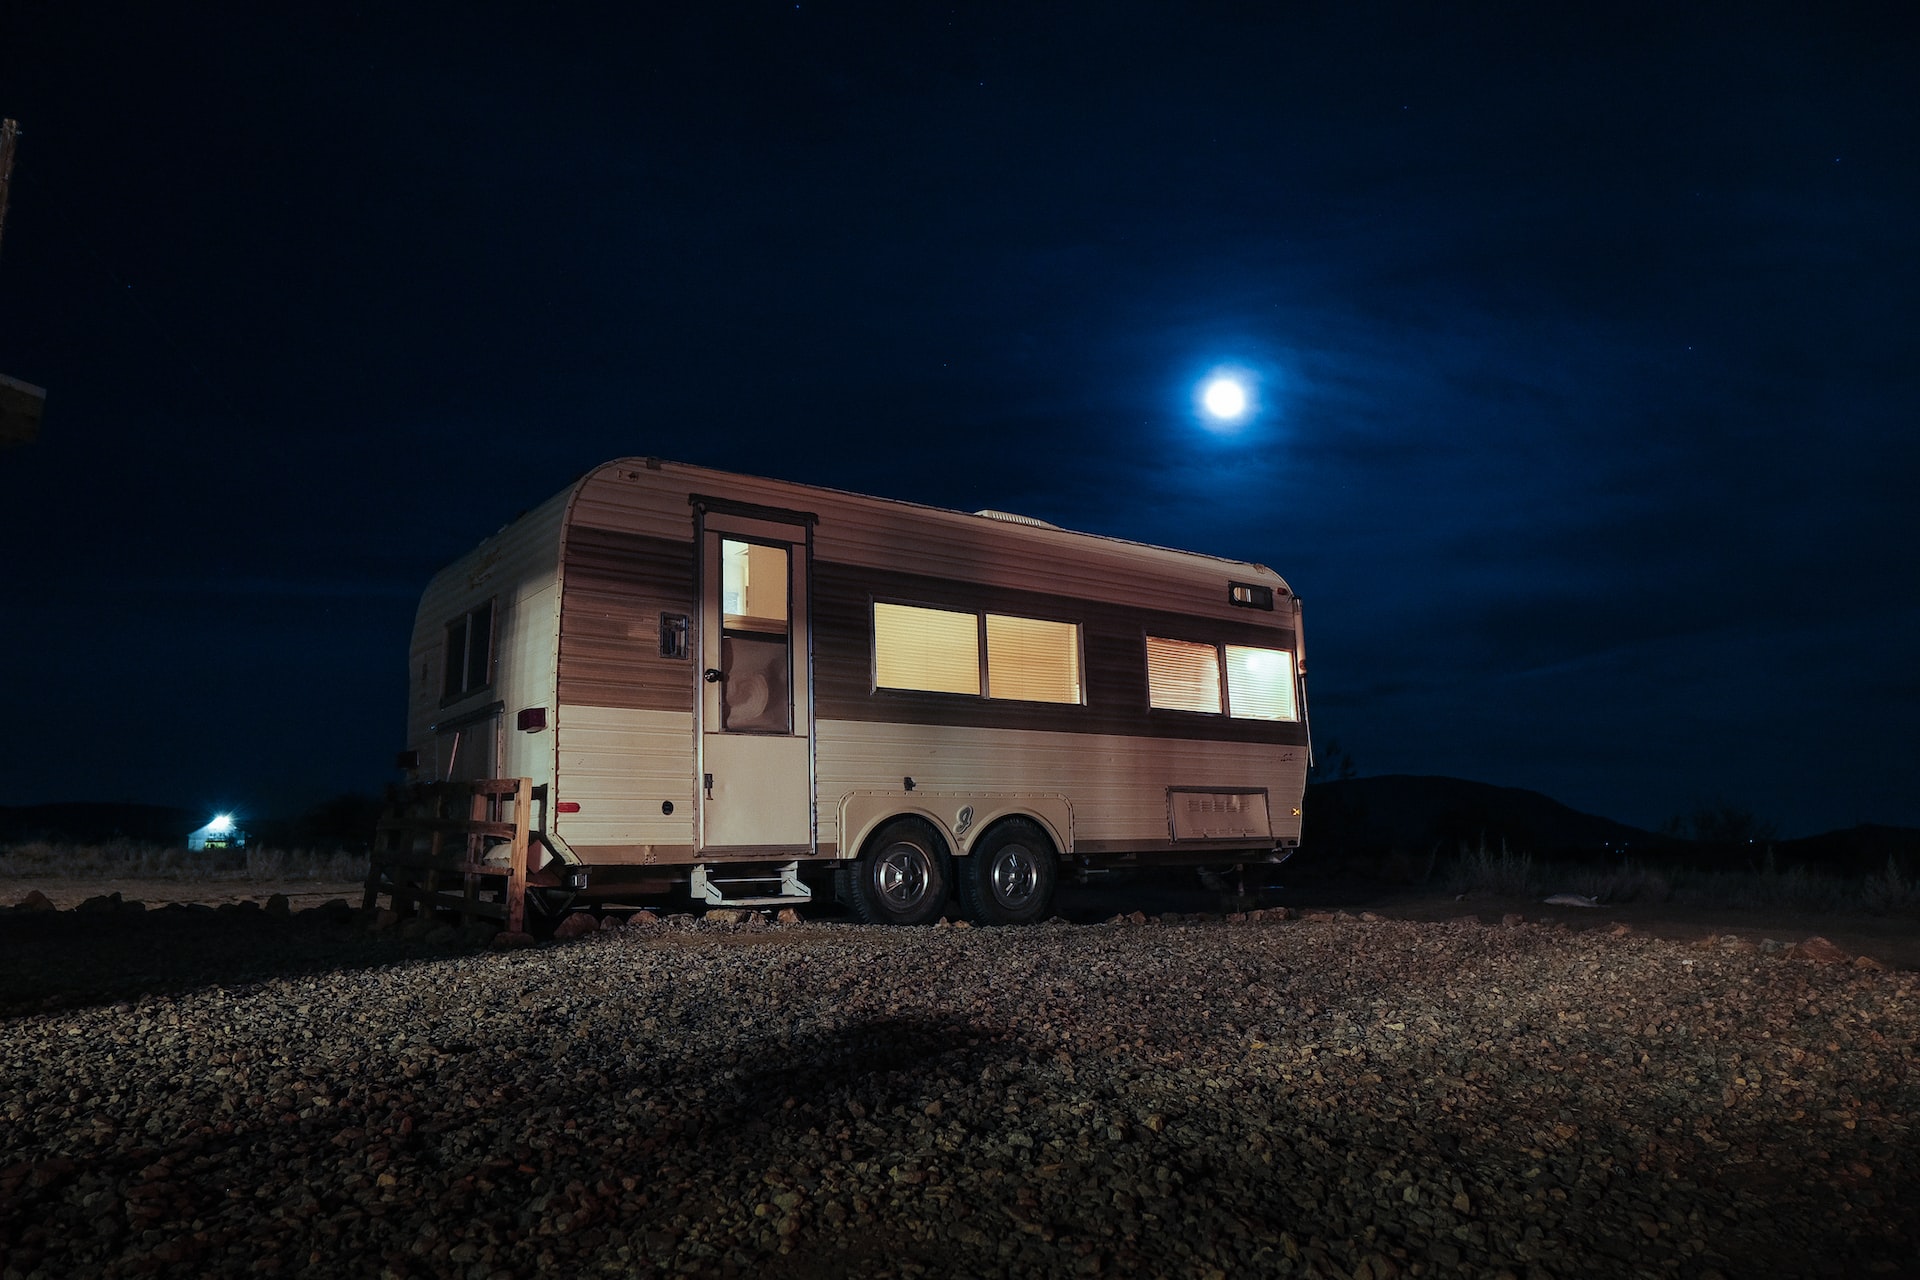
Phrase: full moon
(1225, 398)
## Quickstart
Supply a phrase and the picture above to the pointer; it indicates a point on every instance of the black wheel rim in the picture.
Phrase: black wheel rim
(901, 875)
(1013, 877)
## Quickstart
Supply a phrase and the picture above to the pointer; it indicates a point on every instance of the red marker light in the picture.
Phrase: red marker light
(567, 806)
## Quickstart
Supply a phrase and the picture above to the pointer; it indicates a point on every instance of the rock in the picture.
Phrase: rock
(1869, 964)
(727, 915)
(1820, 951)
(415, 928)
(478, 933)
(279, 906)
(133, 907)
(504, 940)
(1512, 920)
(788, 916)
(577, 924)
(1618, 930)
(642, 917)
(101, 904)
(1570, 900)
(440, 935)
(35, 901)
(383, 921)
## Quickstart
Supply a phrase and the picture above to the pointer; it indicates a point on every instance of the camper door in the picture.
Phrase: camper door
(756, 716)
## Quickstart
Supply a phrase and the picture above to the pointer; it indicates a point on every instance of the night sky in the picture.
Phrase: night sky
(1583, 349)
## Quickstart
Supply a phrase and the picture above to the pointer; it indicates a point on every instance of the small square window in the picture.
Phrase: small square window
(1248, 595)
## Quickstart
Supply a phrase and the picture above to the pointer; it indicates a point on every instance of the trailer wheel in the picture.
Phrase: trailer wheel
(902, 878)
(1009, 877)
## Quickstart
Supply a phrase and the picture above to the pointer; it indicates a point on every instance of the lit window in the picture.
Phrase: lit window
(753, 587)
(933, 649)
(757, 695)
(1183, 676)
(1260, 683)
(1032, 660)
(469, 653)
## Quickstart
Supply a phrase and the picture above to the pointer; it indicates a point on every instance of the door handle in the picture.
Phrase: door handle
(709, 782)
(713, 675)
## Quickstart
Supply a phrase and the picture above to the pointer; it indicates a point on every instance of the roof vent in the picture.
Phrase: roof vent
(1011, 518)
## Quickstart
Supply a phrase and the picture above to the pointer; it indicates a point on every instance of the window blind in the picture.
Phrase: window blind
(1183, 676)
(1032, 660)
(1259, 683)
(933, 649)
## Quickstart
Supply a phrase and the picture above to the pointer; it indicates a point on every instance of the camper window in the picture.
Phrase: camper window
(468, 664)
(1183, 676)
(753, 587)
(757, 696)
(1033, 660)
(933, 649)
(1259, 683)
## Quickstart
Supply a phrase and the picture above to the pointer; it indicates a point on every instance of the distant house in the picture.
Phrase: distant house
(218, 834)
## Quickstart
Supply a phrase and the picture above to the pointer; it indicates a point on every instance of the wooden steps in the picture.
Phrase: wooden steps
(431, 851)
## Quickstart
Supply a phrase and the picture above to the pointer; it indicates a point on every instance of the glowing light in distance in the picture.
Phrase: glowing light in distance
(1224, 398)
(221, 824)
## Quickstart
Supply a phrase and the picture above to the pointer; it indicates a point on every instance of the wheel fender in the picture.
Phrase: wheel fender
(961, 817)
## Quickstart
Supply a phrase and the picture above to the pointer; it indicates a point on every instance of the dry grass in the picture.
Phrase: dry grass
(1507, 874)
(128, 860)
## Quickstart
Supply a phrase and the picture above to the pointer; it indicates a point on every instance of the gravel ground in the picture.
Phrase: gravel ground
(1338, 1097)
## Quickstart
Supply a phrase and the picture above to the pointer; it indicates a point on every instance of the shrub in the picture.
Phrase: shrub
(1506, 874)
(1625, 883)
(126, 860)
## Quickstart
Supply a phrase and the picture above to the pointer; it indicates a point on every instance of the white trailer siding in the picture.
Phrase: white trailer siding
(1117, 786)
(518, 570)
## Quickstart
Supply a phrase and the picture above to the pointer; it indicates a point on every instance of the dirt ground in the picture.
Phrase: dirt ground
(1892, 940)
(67, 894)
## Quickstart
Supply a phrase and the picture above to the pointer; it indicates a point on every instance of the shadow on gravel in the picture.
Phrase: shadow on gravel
(67, 959)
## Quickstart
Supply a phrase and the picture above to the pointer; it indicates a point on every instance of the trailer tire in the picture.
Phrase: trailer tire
(903, 876)
(1010, 875)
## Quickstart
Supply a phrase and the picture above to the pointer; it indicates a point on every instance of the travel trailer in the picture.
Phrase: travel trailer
(746, 689)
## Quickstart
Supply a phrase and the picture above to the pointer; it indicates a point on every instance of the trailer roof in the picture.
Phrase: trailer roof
(1004, 519)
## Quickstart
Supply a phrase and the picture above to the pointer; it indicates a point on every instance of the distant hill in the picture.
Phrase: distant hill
(89, 823)
(1396, 822)
(1415, 815)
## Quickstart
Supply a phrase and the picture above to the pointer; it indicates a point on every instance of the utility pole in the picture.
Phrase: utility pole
(9, 130)
(21, 403)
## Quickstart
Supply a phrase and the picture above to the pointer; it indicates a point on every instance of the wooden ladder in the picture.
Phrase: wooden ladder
(431, 847)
